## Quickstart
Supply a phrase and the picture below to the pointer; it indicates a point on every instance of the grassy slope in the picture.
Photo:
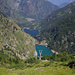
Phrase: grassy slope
(55, 68)
(49, 65)
(14, 41)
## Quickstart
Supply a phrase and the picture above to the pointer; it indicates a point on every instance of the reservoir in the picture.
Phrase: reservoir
(45, 50)
(33, 33)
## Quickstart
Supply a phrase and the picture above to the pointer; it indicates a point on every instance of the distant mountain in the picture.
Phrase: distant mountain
(59, 29)
(37, 9)
(14, 15)
(14, 41)
(61, 3)
(26, 12)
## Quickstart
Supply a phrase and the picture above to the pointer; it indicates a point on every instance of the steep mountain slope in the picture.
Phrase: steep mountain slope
(13, 14)
(13, 3)
(26, 12)
(61, 36)
(13, 41)
(57, 15)
(58, 29)
(37, 8)
(9, 12)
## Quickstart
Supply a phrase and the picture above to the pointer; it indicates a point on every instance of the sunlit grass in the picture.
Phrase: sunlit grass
(56, 68)
(5, 71)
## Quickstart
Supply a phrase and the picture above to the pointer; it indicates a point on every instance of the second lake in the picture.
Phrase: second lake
(33, 33)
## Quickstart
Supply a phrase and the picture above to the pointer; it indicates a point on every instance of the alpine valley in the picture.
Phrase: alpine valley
(51, 51)
(26, 13)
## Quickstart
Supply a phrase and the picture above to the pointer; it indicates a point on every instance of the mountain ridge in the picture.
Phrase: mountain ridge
(39, 8)
(57, 15)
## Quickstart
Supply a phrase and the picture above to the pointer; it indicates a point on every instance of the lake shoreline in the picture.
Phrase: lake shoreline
(48, 47)
(54, 51)
(42, 44)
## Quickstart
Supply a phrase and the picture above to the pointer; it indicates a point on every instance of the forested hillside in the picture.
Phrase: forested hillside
(14, 41)
(61, 35)
(57, 15)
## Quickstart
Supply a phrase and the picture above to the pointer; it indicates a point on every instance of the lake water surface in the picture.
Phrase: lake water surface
(45, 50)
(33, 33)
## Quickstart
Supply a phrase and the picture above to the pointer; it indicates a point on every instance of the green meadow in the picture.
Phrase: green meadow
(42, 68)
(57, 64)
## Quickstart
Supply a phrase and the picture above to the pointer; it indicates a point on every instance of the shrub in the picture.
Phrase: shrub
(71, 64)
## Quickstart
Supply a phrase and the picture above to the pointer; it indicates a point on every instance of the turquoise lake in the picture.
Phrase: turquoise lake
(45, 50)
